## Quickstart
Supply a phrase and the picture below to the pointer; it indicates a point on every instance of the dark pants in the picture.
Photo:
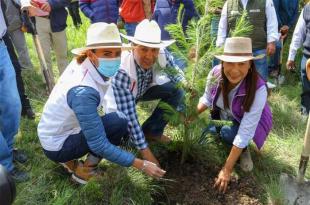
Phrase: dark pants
(75, 13)
(18, 70)
(76, 145)
(305, 96)
(167, 93)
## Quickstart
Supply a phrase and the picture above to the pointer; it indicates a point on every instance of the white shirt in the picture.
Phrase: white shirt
(250, 119)
(2, 23)
(298, 37)
(272, 23)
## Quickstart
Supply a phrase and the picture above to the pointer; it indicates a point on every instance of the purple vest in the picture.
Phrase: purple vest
(265, 123)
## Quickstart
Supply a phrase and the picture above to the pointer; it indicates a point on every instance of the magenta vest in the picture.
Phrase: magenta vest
(265, 123)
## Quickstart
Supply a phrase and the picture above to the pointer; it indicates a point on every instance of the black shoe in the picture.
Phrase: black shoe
(28, 112)
(18, 175)
(19, 156)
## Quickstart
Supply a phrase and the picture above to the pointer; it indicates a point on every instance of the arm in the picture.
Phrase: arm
(175, 77)
(58, 4)
(222, 29)
(84, 101)
(206, 100)
(85, 8)
(298, 37)
(245, 133)
(272, 24)
(147, 8)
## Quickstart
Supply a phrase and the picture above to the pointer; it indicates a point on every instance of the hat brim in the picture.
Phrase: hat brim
(78, 51)
(237, 59)
(162, 44)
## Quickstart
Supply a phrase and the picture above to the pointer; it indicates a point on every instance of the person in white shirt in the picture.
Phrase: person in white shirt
(235, 92)
(301, 37)
(262, 16)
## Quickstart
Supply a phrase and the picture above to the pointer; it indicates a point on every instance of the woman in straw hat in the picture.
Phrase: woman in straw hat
(236, 92)
(73, 123)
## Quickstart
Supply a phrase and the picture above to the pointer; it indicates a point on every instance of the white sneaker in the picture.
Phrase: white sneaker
(246, 162)
(271, 85)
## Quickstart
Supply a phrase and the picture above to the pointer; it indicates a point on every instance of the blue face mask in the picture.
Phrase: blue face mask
(108, 66)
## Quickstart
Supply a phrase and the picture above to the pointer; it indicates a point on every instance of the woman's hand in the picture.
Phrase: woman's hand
(148, 155)
(152, 170)
(149, 168)
(221, 183)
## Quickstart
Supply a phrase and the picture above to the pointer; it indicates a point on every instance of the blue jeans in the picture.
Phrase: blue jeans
(130, 28)
(76, 145)
(274, 60)
(227, 133)
(305, 95)
(261, 64)
(10, 108)
(167, 93)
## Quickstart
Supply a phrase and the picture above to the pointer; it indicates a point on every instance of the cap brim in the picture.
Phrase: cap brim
(78, 51)
(162, 44)
(236, 59)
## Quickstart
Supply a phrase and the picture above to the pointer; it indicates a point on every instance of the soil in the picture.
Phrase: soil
(192, 184)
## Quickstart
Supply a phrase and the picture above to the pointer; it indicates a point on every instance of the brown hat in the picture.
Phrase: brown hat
(238, 49)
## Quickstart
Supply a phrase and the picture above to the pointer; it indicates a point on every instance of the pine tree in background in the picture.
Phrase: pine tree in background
(197, 48)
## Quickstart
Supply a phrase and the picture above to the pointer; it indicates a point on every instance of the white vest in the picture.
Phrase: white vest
(159, 77)
(58, 120)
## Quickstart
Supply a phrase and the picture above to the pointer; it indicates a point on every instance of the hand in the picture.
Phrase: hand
(290, 65)
(271, 48)
(46, 7)
(35, 4)
(152, 170)
(284, 29)
(148, 155)
(222, 180)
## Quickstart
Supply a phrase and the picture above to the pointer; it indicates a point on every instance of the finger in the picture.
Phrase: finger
(225, 186)
(217, 182)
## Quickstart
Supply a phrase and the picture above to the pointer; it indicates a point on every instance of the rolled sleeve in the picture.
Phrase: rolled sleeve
(126, 104)
(251, 119)
(206, 99)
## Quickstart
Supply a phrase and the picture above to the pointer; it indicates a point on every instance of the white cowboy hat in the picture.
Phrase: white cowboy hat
(238, 49)
(102, 35)
(148, 34)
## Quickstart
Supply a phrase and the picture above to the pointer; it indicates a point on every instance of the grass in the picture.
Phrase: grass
(50, 185)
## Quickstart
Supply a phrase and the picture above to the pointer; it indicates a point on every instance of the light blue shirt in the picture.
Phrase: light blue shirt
(2, 24)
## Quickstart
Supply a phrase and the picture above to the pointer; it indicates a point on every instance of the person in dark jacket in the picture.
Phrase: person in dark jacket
(166, 12)
(53, 36)
(100, 10)
(287, 12)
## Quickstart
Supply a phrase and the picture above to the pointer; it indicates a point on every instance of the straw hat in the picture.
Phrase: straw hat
(148, 34)
(308, 69)
(102, 35)
(238, 49)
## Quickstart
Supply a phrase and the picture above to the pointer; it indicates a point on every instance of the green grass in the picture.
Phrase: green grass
(50, 185)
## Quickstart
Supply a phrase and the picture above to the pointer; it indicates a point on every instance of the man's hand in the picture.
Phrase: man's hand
(221, 183)
(284, 29)
(46, 7)
(290, 65)
(148, 155)
(271, 48)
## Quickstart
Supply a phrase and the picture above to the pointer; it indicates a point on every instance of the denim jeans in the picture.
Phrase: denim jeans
(305, 95)
(130, 28)
(167, 93)
(10, 108)
(274, 60)
(227, 133)
(76, 145)
(261, 64)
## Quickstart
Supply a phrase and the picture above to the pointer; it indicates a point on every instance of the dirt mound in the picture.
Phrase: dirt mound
(192, 183)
